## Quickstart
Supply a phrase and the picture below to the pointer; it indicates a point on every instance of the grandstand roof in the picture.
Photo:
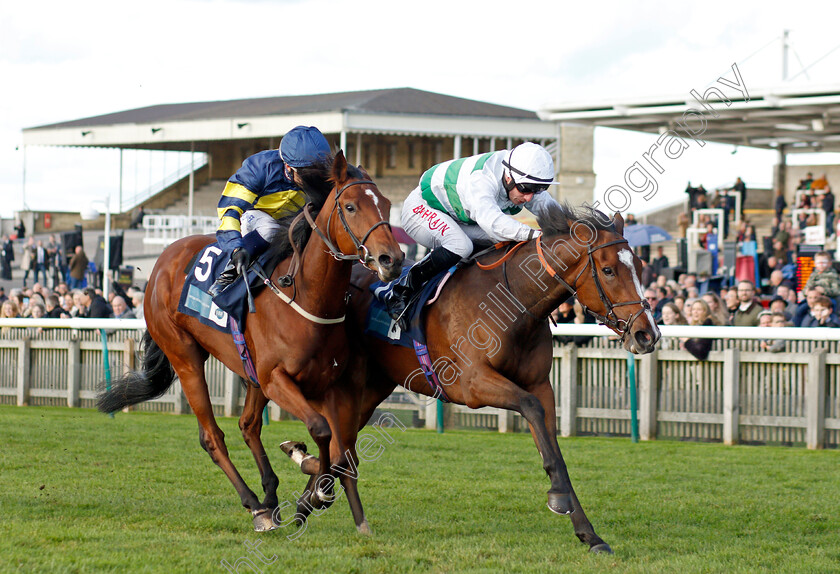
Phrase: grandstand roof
(372, 111)
(799, 119)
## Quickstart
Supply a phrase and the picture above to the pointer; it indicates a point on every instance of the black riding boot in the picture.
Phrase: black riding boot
(411, 283)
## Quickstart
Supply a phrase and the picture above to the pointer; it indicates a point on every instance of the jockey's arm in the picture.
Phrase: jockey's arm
(496, 223)
(236, 199)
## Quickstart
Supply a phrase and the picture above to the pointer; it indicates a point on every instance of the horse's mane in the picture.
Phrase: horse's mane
(560, 219)
(318, 183)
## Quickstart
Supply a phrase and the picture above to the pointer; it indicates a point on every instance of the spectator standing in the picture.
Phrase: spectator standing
(41, 261)
(20, 229)
(53, 307)
(661, 261)
(824, 275)
(97, 307)
(120, 307)
(781, 204)
(778, 345)
(738, 186)
(717, 308)
(746, 315)
(78, 268)
(7, 255)
(828, 207)
(27, 261)
(822, 314)
(699, 316)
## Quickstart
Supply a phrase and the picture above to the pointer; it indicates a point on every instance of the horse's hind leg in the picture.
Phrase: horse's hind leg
(250, 423)
(583, 528)
(189, 365)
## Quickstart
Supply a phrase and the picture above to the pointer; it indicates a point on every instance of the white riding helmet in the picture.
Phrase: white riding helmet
(530, 164)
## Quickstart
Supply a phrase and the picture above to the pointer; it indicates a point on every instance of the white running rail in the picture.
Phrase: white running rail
(164, 229)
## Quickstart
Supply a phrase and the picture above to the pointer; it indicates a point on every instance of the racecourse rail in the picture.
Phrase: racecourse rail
(739, 394)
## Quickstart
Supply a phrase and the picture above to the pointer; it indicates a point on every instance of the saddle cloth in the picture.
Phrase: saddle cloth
(380, 324)
(202, 271)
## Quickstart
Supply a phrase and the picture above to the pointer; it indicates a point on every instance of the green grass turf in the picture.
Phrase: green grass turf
(80, 492)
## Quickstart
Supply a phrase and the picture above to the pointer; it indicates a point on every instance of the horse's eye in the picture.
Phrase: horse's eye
(349, 207)
(608, 271)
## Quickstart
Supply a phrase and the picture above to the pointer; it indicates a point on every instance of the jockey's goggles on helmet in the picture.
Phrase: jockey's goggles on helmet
(525, 186)
(534, 188)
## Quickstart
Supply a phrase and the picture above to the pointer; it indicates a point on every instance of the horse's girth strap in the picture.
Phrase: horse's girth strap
(504, 258)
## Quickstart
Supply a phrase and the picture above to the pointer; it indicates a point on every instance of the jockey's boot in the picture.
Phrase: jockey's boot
(407, 286)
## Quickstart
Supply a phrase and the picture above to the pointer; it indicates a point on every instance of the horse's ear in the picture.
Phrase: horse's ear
(364, 172)
(618, 221)
(340, 166)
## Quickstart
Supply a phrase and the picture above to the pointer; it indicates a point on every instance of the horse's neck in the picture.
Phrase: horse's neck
(323, 280)
(537, 291)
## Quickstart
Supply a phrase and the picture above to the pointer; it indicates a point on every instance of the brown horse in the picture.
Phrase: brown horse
(490, 341)
(299, 349)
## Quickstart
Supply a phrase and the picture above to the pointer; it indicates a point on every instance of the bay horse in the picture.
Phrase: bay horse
(299, 349)
(489, 339)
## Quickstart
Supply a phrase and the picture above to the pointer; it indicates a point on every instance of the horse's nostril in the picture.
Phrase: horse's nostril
(643, 338)
(386, 261)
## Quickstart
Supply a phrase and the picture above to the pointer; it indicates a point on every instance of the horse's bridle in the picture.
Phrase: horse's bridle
(362, 252)
(610, 319)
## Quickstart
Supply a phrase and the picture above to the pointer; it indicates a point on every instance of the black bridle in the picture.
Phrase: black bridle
(610, 319)
(362, 252)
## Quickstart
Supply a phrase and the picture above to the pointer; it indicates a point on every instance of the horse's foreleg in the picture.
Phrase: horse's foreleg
(250, 423)
(282, 390)
(583, 528)
(494, 390)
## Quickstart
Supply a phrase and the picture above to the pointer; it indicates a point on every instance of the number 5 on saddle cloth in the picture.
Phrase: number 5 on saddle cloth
(228, 311)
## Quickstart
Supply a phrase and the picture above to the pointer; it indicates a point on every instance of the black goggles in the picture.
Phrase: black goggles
(526, 188)
(534, 188)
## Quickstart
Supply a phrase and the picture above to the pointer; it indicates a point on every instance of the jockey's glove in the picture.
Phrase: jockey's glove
(241, 259)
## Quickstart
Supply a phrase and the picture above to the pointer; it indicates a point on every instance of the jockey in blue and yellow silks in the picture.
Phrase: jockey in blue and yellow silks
(262, 191)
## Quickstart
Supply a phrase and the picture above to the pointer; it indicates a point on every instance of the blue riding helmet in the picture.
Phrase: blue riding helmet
(303, 146)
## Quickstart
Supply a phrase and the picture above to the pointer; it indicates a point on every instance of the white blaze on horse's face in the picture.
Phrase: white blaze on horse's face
(626, 257)
(375, 201)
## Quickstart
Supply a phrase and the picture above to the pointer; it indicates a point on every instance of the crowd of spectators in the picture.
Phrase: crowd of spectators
(41, 302)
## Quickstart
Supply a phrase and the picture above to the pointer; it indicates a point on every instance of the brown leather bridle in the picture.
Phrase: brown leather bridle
(610, 319)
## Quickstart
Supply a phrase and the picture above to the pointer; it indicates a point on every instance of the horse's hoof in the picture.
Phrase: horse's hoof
(364, 528)
(560, 503)
(263, 521)
(602, 548)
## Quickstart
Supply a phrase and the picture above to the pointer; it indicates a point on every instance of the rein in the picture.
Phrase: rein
(610, 319)
(504, 258)
(361, 255)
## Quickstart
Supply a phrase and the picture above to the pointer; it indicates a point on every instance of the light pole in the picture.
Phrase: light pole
(92, 213)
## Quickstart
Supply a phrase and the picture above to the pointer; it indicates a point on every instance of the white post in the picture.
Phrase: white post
(731, 395)
(648, 379)
(456, 151)
(568, 390)
(815, 401)
(192, 183)
(106, 254)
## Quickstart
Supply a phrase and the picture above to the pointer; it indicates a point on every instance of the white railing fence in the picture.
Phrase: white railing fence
(739, 394)
(164, 229)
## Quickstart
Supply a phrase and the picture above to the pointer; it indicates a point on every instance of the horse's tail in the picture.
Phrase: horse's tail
(150, 382)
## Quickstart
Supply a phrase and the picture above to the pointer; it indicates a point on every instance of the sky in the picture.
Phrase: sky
(67, 60)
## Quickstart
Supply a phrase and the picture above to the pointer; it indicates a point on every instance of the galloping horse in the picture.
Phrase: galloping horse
(490, 341)
(299, 349)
